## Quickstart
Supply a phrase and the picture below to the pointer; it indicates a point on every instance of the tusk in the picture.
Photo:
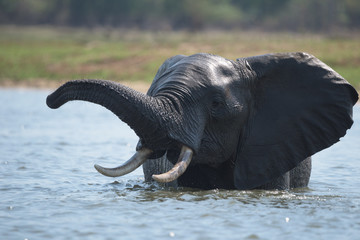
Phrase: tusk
(133, 163)
(178, 169)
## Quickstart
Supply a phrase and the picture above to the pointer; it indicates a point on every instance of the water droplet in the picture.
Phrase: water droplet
(171, 234)
(287, 219)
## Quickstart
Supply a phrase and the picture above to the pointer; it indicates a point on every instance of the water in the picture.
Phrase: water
(50, 190)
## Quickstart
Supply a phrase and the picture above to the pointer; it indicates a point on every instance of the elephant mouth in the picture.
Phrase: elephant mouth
(142, 155)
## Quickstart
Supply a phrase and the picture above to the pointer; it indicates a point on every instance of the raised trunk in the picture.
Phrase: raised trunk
(152, 118)
(141, 112)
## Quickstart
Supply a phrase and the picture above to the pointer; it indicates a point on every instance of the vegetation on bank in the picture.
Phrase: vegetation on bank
(278, 15)
(31, 54)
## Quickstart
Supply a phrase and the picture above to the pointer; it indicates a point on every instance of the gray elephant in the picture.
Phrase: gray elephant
(209, 122)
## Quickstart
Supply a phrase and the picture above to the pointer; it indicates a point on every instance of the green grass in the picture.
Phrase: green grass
(57, 54)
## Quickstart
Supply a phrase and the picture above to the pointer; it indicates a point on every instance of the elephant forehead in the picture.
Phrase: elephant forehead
(196, 72)
(204, 73)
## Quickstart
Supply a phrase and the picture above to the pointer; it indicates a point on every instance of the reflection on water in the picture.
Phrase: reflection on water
(49, 189)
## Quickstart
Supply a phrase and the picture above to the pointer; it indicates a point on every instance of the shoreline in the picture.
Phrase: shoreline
(46, 84)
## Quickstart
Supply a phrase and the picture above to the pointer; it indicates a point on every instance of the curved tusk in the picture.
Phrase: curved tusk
(133, 163)
(178, 169)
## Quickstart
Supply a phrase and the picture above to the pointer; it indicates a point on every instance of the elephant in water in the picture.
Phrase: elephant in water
(209, 122)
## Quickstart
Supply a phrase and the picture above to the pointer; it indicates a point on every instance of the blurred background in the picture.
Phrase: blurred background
(46, 42)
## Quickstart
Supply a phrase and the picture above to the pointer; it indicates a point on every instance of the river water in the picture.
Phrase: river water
(50, 190)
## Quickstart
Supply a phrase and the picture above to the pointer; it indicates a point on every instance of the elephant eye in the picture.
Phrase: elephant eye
(215, 104)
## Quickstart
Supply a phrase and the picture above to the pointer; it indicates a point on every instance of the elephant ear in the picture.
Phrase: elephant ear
(301, 106)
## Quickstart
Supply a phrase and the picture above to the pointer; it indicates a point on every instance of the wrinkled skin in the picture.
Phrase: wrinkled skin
(250, 123)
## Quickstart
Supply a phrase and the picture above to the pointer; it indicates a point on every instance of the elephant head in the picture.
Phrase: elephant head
(248, 121)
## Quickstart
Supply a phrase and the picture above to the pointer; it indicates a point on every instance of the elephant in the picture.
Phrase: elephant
(208, 122)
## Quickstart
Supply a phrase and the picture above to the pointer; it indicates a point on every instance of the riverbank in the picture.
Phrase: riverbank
(45, 57)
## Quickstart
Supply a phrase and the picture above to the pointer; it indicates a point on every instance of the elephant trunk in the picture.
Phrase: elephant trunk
(141, 112)
(151, 118)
